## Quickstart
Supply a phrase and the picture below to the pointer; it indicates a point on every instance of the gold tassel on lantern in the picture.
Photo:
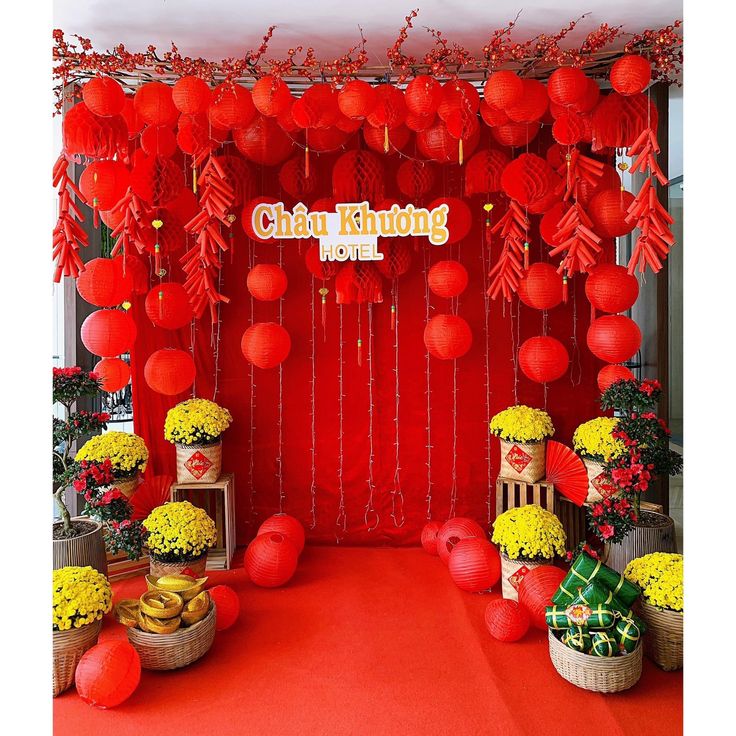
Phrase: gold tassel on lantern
(194, 178)
(385, 139)
(460, 151)
(323, 293)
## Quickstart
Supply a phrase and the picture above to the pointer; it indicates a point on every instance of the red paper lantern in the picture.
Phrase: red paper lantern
(156, 180)
(347, 125)
(437, 144)
(247, 216)
(590, 99)
(191, 95)
(531, 105)
(483, 171)
(357, 283)
(286, 525)
(271, 96)
(551, 219)
(516, 134)
(108, 673)
(503, 89)
(536, 590)
(108, 333)
(527, 178)
(447, 336)
(195, 134)
(169, 372)
(415, 178)
(294, 180)
(452, 531)
(474, 565)
(323, 270)
(611, 288)
(263, 142)
(266, 282)
(265, 344)
(271, 560)
(492, 116)
(630, 74)
(609, 374)
(419, 122)
(619, 120)
(541, 286)
(231, 106)
(85, 134)
(506, 620)
(390, 109)
(458, 95)
(324, 140)
(103, 96)
(396, 257)
(102, 283)
(114, 374)
(375, 138)
(357, 99)
(358, 176)
(159, 140)
(133, 120)
(459, 217)
(543, 359)
(429, 536)
(608, 209)
(153, 102)
(167, 306)
(567, 85)
(136, 269)
(546, 202)
(317, 107)
(104, 183)
(423, 95)
(609, 179)
(447, 278)
(613, 338)
(227, 606)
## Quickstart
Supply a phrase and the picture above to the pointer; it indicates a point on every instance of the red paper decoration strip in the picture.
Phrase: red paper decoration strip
(646, 148)
(655, 237)
(68, 233)
(135, 219)
(506, 274)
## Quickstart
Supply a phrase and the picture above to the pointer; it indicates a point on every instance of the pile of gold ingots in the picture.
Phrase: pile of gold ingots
(171, 602)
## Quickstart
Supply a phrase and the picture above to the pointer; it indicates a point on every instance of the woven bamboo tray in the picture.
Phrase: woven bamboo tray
(663, 640)
(172, 651)
(69, 646)
(159, 569)
(599, 674)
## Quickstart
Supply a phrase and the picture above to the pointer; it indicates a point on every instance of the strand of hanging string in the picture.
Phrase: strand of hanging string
(487, 366)
(280, 455)
(341, 521)
(252, 404)
(369, 509)
(312, 414)
(428, 385)
(397, 491)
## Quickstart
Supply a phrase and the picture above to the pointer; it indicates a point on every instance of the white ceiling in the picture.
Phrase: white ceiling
(219, 28)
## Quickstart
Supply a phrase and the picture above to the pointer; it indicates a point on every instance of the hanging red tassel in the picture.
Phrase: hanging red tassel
(526, 256)
(323, 295)
(360, 352)
(564, 288)
(157, 259)
(393, 317)
(306, 153)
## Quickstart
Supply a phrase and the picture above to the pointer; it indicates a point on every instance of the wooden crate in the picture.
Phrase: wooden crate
(120, 567)
(573, 521)
(511, 494)
(218, 500)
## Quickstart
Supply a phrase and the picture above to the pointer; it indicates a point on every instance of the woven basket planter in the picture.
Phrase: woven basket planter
(599, 674)
(159, 569)
(86, 549)
(663, 640)
(172, 651)
(654, 532)
(126, 486)
(522, 461)
(68, 647)
(600, 485)
(198, 463)
(508, 568)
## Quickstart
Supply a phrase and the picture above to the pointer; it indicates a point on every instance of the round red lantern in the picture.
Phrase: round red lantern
(320, 269)
(516, 134)
(247, 216)
(543, 359)
(357, 99)
(423, 95)
(108, 333)
(590, 99)
(271, 96)
(358, 176)
(264, 141)
(103, 96)
(483, 171)
(317, 107)
(133, 120)
(419, 122)
(104, 183)
(114, 374)
(195, 134)
(390, 109)
(608, 209)
(375, 138)
(415, 178)
(567, 85)
(286, 525)
(169, 371)
(227, 606)
(191, 95)
(452, 531)
(266, 282)
(447, 278)
(474, 565)
(108, 673)
(358, 282)
(531, 105)
(630, 74)
(271, 560)
(437, 144)
(231, 106)
(458, 95)
(324, 140)
(609, 179)
(611, 288)
(550, 220)
(396, 257)
(102, 282)
(294, 180)
(159, 140)
(536, 590)
(503, 89)
(167, 306)
(86, 134)
(609, 374)
(429, 537)
(492, 116)
(506, 620)
(459, 217)
(136, 269)
(153, 102)
(541, 286)
(447, 336)
(265, 344)
(613, 338)
(527, 178)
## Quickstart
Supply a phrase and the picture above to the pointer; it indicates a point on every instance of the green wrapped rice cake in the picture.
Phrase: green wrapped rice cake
(584, 570)
(594, 593)
(577, 638)
(603, 644)
(579, 614)
(627, 635)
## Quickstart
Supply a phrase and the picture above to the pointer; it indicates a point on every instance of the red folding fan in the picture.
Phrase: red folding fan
(567, 472)
(151, 493)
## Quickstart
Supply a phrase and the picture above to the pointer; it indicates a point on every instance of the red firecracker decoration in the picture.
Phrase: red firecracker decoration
(358, 282)
(108, 673)
(536, 590)
(618, 121)
(231, 106)
(154, 103)
(645, 148)
(286, 525)
(610, 288)
(108, 333)
(271, 560)
(68, 234)
(191, 95)
(581, 175)
(415, 178)
(506, 620)
(85, 134)
(167, 305)
(613, 338)
(452, 531)
(429, 537)
(263, 141)
(474, 565)
(357, 99)
(567, 85)
(423, 95)
(513, 228)
(543, 359)
(271, 96)
(265, 344)
(459, 217)
(541, 286)
(608, 211)
(609, 374)
(169, 372)
(103, 96)
(503, 89)
(447, 336)
(358, 176)
(447, 278)
(483, 171)
(103, 284)
(113, 373)
(631, 74)
(266, 282)
(655, 238)
(227, 606)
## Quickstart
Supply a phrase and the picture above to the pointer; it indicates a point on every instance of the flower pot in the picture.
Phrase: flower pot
(522, 461)
(86, 549)
(600, 484)
(68, 648)
(198, 463)
(653, 532)
(511, 567)
(126, 486)
(663, 640)
(196, 565)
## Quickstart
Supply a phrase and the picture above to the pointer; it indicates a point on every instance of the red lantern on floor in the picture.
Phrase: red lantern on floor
(452, 531)
(516, 134)
(191, 95)
(611, 288)
(447, 278)
(294, 179)
(506, 620)
(286, 525)
(630, 74)
(503, 89)
(114, 374)
(459, 217)
(265, 344)
(536, 590)
(227, 606)
(231, 106)
(608, 209)
(447, 336)
(102, 283)
(271, 560)
(266, 282)
(153, 102)
(358, 176)
(108, 333)
(613, 338)
(429, 536)
(247, 216)
(357, 99)
(167, 306)
(108, 673)
(531, 105)
(271, 96)
(169, 372)
(103, 96)
(423, 95)
(541, 286)
(483, 171)
(104, 183)
(415, 178)
(609, 374)
(567, 85)
(543, 359)
(474, 565)
(159, 140)
(86, 134)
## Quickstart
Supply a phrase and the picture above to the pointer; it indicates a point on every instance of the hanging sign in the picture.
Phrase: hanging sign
(351, 232)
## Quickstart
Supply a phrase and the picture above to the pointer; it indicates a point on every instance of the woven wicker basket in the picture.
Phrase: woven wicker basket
(69, 646)
(643, 539)
(508, 568)
(126, 486)
(86, 549)
(599, 674)
(198, 463)
(172, 651)
(159, 569)
(598, 487)
(663, 640)
(522, 461)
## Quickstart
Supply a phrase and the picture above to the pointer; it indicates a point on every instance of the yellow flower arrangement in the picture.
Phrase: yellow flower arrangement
(196, 422)
(593, 439)
(127, 452)
(529, 533)
(179, 531)
(81, 596)
(522, 424)
(660, 577)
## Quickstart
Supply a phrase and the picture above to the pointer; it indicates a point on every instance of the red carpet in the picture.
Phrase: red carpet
(372, 641)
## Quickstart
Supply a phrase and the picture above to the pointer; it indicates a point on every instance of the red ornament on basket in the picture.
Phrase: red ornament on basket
(104, 96)
(452, 531)
(474, 565)
(630, 74)
(102, 282)
(567, 85)
(543, 359)
(503, 89)
(271, 96)
(286, 525)
(167, 305)
(231, 106)
(609, 374)
(227, 606)
(429, 537)
(423, 95)
(191, 95)
(271, 560)
(358, 176)
(265, 344)
(447, 336)
(357, 99)
(108, 333)
(114, 374)
(506, 620)
(613, 338)
(247, 216)
(459, 217)
(447, 278)
(536, 591)
(108, 673)
(263, 142)
(169, 372)
(266, 282)
(541, 286)
(610, 288)
(608, 211)
(154, 103)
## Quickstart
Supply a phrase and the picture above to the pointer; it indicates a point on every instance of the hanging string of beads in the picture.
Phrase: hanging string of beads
(313, 414)
(397, 495)
(341, 521)
(280, 455)
(428, 384)
(370, 511)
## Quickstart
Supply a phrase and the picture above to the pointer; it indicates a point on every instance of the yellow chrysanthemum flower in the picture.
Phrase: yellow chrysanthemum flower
(529, 533)
(593, 439)
(179, 531)
(127, 452)
(660, 577)
(196, 422)
(522, 424)
(81, 595)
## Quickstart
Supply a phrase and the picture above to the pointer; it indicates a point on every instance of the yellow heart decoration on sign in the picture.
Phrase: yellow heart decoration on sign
(157, 224)
(487, 206)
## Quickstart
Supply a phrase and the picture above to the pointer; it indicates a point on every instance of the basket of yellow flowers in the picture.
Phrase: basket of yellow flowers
(127, 453)
(594, 442)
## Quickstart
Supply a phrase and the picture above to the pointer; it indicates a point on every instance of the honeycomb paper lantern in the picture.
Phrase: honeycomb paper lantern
(423, 95)
(104, 183)
(613, 338)
(543, 359)
(156, 180)
(447, 336)
(429, 537)
(358, 176)
(358, 282)
(286, 525)
(474, 565)
(630, 74)
(527, 178)
(227, 606)
(265, 344)
(167, 305)
(357, 99)
(447, 278)
(103, 96)
(271, 560)
(611, 288)
(483, 171)
(271, 96)
(459, 217)
(231, 107)
(506, 620)
(452, 531)
(247, 216)
(567, 85)
(108, 673)
(415, 178)
(159, 140)
(320, 269)
(153, 102)
(169, 372)
(390, 109)
(103, 284)
(609, 374)
(266, 282)
(108, 333)
(536, 590)
(541, 286)
(191, 95)
(294, 180)
(503, 89)
(568, 129)
(114, 374)
(396, 257)
(85, 134)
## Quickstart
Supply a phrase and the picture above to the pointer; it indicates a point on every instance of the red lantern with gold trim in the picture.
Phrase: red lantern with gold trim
(169, 372)
(104, 183)
(543, 359)
(295, 180)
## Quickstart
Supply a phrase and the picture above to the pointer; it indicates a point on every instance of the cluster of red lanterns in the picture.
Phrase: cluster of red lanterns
(271, 558)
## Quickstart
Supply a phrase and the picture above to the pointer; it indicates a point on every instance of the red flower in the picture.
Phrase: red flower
(606, 530)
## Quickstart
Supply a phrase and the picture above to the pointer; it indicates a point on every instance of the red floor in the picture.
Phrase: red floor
(368, 641)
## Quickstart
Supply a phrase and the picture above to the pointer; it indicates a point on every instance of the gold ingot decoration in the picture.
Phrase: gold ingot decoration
(196, 609)
(185, 585)
(161, 604)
